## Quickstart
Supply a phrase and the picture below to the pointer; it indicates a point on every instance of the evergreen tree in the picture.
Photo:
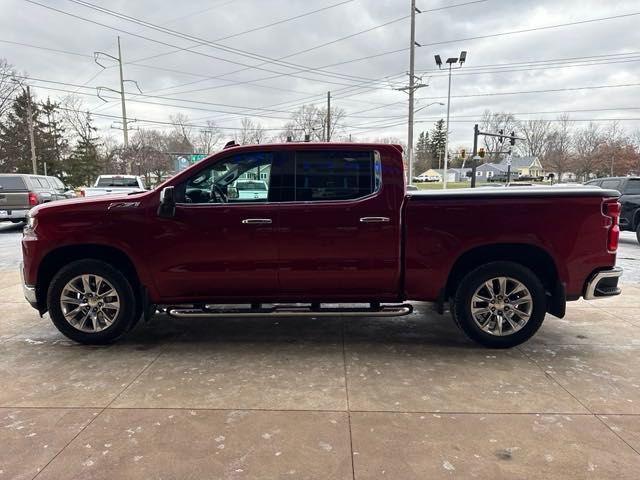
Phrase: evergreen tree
(84, 164)
(15, 144)
(438, 138)
(423, 159)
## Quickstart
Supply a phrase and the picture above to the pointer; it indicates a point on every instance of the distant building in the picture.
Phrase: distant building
(487, 170)
(523, 166)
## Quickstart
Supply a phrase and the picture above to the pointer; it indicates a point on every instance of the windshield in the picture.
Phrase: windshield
(117, 182)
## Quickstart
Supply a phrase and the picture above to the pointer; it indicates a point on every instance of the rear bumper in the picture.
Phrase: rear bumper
(12, 214)
(603, 284)
(29, 291)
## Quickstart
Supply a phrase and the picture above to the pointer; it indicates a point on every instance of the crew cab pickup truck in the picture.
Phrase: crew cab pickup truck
(338, 234)
(629, 188)
(114, 184)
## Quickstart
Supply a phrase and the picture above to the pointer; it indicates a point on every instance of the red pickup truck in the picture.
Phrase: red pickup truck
(336, 234)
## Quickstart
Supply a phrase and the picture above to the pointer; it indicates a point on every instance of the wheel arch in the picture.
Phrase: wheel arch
(61, 256)
(533, 257)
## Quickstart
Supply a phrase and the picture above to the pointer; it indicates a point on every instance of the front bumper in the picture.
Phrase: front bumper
(29, 291)
(13, 214)
(603, 284)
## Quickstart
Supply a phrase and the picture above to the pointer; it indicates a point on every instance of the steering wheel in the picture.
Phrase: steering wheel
(218, 194)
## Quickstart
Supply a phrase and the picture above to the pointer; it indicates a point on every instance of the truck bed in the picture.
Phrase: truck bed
(441, 226)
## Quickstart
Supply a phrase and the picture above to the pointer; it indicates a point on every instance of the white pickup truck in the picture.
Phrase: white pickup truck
(114, 184)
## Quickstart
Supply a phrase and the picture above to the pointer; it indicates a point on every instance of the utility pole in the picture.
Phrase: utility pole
(411, 88)
(328, 116)
(121, 92)
(31, 136)
(125, 130)
(475, 158)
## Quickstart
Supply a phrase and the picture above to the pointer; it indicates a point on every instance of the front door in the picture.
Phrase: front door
(221, 244)
(340, 233)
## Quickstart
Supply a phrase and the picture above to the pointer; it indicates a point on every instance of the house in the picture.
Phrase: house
(523, 166)
(461, 174)
(487, 170)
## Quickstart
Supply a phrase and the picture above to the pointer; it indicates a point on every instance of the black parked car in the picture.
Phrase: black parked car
(629, 187)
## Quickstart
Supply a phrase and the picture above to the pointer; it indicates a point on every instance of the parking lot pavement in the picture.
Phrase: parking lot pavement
(303, 398)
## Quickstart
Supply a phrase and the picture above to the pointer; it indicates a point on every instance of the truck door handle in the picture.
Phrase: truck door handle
(257, 221)
(374, 219)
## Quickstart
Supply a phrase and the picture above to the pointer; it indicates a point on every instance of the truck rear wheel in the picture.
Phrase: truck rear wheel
(500, 304)
(91, 302)
(638, 232)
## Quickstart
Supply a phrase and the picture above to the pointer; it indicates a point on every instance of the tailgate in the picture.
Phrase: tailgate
(14, 201)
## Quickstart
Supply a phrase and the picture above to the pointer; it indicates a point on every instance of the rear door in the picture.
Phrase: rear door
(339, 230)
(14, 194)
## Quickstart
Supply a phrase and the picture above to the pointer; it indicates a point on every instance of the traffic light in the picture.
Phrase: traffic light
(463, 154)
(481, 153)
(501, 138)
(513, 138)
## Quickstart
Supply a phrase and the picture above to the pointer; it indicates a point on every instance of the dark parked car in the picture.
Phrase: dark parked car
(336, 227)
(20, 192)
(629, 187)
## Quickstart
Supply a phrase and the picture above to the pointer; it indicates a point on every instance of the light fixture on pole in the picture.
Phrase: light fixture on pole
(451, 62)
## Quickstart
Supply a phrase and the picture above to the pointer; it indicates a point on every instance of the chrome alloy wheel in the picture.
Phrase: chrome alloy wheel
(501, 306)
(89, 303)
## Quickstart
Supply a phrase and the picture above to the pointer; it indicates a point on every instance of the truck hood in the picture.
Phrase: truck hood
(91, 204)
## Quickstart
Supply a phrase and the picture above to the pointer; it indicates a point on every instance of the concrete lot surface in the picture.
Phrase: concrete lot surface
(406, 398)
(302, 398)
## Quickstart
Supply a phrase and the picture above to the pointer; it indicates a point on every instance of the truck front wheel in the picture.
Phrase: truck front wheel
(91, 302)
(500, 304)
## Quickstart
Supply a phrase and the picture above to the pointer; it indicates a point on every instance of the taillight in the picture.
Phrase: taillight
(33, 199)
(612, 211)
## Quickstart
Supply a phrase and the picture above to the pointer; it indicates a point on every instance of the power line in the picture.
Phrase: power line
(212, 44)
(480, 37)
(255, 29)
(133, 34)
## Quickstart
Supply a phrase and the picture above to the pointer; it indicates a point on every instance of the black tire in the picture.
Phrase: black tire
(125, 317)
(638, 232)
(461, 305)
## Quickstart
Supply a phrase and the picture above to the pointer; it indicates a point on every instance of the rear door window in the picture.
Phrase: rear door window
(322, 175)
(12, 184)
(633, 187)
(612, 184)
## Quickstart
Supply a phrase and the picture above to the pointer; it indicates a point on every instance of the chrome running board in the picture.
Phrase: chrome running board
(292, 311)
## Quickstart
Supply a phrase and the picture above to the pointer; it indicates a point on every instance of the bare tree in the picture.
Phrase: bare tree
(9, 86)
(558, 158)
(76, 118)
(587, 142)
(536, 138)
(616, 141)
(494, 122)
(207, 138)
(148, 154)
(311, 121)
(182, 134)
(250, 133)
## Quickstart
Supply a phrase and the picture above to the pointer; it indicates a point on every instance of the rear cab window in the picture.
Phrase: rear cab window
(117, 182)
(12, 184)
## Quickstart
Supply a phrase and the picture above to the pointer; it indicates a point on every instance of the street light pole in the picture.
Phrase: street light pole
(450, 61)
(446, 138)
(412, 51)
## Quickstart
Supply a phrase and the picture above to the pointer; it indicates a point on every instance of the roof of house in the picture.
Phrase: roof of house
(518, 162)
(492, 167)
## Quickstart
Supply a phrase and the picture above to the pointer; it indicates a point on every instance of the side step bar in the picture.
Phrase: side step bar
(292, 311)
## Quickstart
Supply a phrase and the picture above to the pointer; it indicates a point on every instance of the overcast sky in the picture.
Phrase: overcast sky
(599, 53)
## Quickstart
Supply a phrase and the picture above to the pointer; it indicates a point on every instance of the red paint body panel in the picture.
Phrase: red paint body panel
(321, 251)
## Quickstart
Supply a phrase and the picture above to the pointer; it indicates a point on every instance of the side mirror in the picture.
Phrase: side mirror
(167, 207)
